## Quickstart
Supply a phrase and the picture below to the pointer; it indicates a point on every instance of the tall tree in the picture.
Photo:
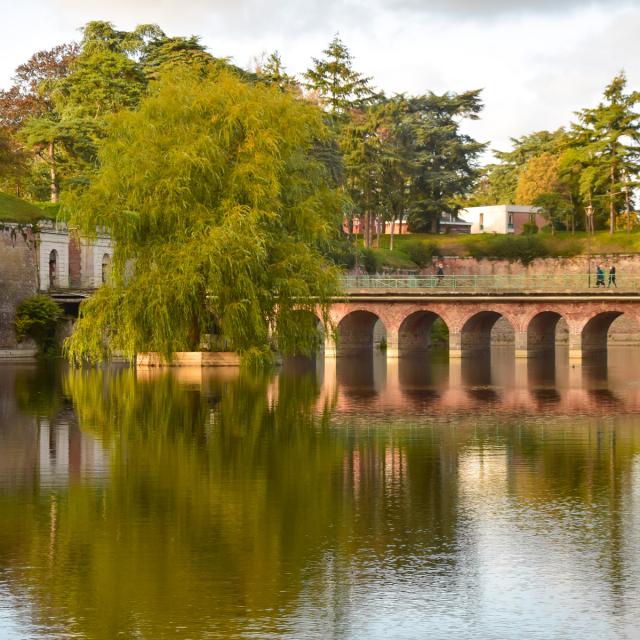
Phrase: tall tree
(221, 215)
(443, 159)
(275, 73)
(338, 86)
(32, 96)
(608, 137)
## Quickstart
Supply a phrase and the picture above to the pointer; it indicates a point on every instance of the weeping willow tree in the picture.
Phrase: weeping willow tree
(219, 208)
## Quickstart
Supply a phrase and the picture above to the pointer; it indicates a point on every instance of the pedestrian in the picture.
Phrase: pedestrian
(599, 276)
(440, 273)
(612, 276)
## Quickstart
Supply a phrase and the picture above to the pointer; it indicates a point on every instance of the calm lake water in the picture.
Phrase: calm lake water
(482, 499)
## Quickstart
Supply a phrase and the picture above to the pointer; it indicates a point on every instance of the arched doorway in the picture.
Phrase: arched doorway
(53, 269)
(106, 267)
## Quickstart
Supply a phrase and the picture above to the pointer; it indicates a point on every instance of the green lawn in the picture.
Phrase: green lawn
(14, 209)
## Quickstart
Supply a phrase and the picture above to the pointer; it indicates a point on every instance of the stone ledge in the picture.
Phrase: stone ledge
(189, 359)
(17, 355)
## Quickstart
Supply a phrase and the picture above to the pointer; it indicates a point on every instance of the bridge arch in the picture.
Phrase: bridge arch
(595, 332)
(542, 331)
(359, 331)
(476, 331)
(416, 332)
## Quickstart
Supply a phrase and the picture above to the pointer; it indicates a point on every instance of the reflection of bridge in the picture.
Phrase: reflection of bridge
(375, 311)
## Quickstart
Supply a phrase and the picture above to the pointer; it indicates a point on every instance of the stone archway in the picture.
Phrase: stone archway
(359, 332)
(596, 331)
(420, 331)
(476, 333)
(542, 331)
(53, 269)
(106, 268)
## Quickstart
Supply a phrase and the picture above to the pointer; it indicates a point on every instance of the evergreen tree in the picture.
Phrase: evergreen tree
(273, 72)
(338, 86)
(608, 140)
(443, 159)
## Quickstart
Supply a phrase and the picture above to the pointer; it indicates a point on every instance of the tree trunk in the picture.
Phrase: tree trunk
(612, 208)
(391, 230)
(365, 229)
(55, 189)
(627, 206)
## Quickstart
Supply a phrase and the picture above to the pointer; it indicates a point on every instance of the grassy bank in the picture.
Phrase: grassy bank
(410, 249)
(14, 209)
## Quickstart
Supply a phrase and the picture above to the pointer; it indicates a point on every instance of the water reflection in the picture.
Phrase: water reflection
(346, 499)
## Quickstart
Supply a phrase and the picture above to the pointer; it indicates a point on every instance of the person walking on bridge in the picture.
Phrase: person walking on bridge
(612, 276)
(599, 276)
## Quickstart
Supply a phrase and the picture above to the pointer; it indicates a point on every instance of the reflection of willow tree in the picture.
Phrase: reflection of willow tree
(37, 390)
(228, 497)
(235, 500)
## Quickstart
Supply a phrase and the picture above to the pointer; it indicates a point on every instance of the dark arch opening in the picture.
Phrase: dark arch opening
(476, 334)
(53, 269)
(359, 332)
(596, 331)
(422, 331)
(541, 332)
(106, 267)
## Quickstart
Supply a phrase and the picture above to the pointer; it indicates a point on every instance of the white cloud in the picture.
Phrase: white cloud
(537, 60)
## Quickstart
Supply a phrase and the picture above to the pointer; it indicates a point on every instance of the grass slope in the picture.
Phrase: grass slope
(14, 209)
(562, 244)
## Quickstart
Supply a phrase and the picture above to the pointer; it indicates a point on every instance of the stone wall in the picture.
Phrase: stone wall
(18, 278)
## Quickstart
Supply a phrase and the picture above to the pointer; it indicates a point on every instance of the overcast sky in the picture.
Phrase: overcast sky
(538, 61)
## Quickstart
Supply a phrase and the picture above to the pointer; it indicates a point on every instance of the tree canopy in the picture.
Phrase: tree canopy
(219, 210)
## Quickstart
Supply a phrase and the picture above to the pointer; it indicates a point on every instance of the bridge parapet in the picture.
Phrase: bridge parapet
(511, 283)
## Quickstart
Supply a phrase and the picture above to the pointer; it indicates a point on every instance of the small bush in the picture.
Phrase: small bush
(37, 318)
(529, 228)
(524, 249)
(371, 261)
(420, 252)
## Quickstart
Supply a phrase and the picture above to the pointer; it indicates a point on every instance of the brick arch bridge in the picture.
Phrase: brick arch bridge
(405, 321)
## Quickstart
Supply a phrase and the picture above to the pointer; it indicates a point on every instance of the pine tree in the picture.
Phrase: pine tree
(608, 140)
(338, 86)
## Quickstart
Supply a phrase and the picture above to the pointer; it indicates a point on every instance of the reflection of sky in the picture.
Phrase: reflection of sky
(543, 567)
(11, 626)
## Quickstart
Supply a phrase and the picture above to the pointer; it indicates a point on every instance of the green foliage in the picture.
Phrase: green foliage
(524, 249)
(338, 86)
(370, 260)
(420, 252)
(211, 192)
(606, 141)
(529, 228)
(37, 318)
(500, 180)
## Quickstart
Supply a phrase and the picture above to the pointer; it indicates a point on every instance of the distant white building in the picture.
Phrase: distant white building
(502, 218)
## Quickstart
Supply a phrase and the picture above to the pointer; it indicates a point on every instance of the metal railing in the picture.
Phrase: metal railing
(559, 282)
